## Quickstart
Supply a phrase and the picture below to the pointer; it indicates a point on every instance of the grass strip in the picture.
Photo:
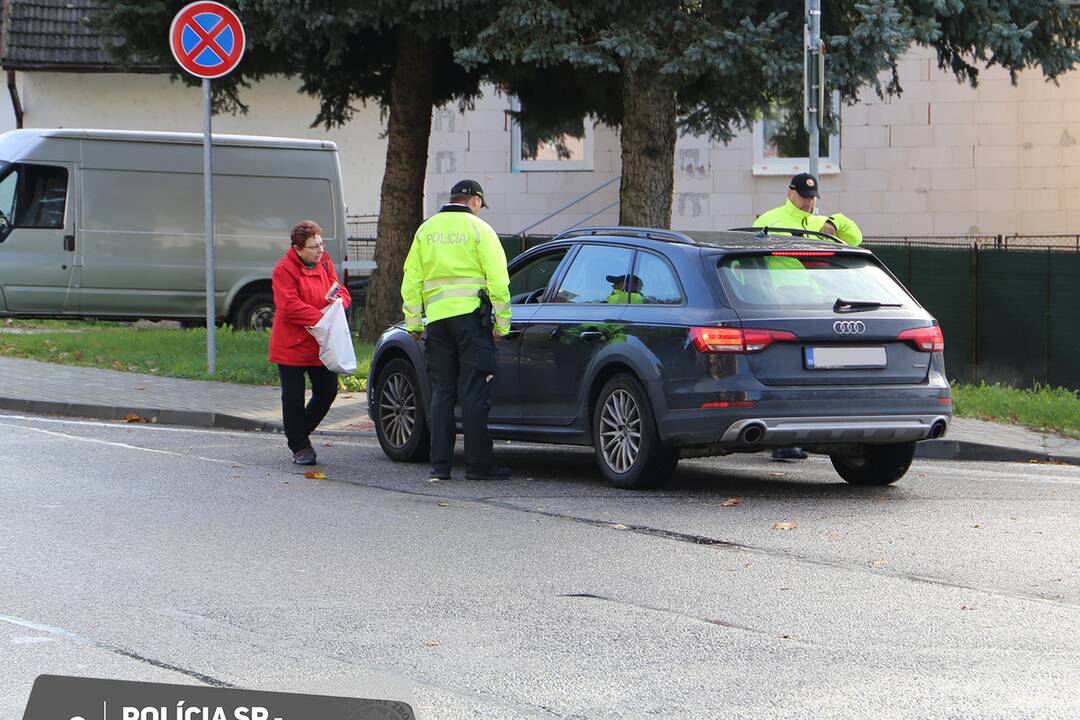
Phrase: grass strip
(241, 356)
(1041, 407)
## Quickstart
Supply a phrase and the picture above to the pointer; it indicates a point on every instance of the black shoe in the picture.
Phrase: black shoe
(440, 474)
(491, 473)
(304, 457)
(792, 453)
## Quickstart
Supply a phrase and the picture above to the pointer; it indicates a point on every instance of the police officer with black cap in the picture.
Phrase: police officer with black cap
(456, 278)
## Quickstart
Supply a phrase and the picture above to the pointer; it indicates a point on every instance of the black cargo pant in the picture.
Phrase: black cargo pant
(301, 421)
(461, 363)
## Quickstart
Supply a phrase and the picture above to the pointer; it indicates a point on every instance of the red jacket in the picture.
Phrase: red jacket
(299, 297)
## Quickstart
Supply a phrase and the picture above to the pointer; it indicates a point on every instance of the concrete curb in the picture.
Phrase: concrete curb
(164, 416)
(928, 449)
(982, 452)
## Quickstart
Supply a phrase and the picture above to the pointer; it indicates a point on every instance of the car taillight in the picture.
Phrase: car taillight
(802, 253)
(736, 340)
(927, 339)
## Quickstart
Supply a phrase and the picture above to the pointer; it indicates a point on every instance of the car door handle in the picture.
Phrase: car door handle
(69, 242)
(555, 334)
(590, 335)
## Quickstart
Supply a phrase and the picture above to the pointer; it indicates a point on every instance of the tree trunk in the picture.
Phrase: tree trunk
(401, 207)
(648, 149)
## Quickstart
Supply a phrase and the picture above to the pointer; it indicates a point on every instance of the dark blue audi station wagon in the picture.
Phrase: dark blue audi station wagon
(655, 345)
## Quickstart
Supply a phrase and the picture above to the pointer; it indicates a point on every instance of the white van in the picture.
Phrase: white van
(110, 224)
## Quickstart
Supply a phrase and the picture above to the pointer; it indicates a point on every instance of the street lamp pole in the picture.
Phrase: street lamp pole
(814, 81)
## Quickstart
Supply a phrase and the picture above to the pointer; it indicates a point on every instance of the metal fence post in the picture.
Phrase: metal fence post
(973, 351)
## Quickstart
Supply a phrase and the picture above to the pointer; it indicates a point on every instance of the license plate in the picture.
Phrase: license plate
(838, 358)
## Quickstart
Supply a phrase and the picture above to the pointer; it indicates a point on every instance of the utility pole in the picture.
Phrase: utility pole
(814, 81)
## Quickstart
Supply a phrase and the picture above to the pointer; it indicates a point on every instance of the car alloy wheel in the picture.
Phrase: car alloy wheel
(620, 431)
(397, 409)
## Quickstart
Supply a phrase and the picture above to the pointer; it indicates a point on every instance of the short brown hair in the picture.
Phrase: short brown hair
(304, 231)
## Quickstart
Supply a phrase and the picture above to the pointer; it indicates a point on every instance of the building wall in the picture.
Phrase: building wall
(941, 159)
(152, 102)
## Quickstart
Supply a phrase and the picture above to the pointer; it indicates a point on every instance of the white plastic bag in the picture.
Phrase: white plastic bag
(335, 345)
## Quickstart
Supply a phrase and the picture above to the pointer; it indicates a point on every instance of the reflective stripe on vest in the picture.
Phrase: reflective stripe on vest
(443, 282)
(450, 293)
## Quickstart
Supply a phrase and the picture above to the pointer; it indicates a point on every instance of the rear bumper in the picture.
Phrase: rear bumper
(872, 430)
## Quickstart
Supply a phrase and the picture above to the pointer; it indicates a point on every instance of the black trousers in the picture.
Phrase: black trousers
(461, 363)
(301, 421)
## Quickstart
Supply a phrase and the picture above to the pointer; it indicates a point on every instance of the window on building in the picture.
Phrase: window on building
(532, 150)
(781, 144)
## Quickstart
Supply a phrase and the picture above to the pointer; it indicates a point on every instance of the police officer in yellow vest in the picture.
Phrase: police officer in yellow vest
(455, 260)
(800, 212)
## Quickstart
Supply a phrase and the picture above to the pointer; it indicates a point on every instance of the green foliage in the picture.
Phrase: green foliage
(241, 356)
(1056, 409)
(728, 62)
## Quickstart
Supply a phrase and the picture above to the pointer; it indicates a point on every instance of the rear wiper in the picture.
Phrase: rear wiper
(845, 306)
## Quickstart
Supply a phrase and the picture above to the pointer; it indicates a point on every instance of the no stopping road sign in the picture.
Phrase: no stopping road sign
(207, 39)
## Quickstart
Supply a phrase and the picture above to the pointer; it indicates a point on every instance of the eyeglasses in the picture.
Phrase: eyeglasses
(316, 246)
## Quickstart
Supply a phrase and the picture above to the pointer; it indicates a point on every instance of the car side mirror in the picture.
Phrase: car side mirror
(5, 228)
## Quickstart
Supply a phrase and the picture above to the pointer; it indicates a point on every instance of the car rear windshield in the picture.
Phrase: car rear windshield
(810, 282)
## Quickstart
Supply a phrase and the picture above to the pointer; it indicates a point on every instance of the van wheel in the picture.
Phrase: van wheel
(628, 448)
(400, 415)
(256, 312)
(878, 465)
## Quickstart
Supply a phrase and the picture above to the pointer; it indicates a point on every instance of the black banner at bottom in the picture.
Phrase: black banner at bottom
(56, 697)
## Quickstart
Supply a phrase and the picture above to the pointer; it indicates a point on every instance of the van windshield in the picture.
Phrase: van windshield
(810, 282)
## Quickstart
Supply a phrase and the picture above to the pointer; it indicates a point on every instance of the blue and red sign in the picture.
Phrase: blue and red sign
(207, 39)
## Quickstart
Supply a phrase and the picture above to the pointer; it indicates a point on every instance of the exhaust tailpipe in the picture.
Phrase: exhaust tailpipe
(752, 434)
(937, 429)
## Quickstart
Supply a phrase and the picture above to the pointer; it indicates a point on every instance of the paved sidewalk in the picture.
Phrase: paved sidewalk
(30, 386)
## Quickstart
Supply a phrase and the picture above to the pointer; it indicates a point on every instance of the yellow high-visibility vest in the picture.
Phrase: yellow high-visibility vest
(454, 255)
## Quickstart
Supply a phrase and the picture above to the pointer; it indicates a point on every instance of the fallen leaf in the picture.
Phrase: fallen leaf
(777, 474)
(877, 562)
(139, 387)
(98, 359)
(117, 365)
(619, 526)
(431, 643)
(345, 397)
(315, 475)
(976, 525)
(966, 607)
(327, 445)
(731, 502)
(444, 503)
(784, 526)
(789, 637)
(134, 418)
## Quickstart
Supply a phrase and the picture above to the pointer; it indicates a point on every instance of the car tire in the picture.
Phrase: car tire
(878, 465)
(255, 312)
(400, 415)
(624, 415)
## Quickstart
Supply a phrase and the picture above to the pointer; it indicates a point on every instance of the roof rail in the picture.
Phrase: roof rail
(798, 232)
(673, 236)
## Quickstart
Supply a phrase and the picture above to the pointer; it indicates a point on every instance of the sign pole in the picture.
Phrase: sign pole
(208, 194)
(207, 40)
(814, 81)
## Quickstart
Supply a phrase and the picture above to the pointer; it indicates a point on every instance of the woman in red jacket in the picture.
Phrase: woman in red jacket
(303, 281)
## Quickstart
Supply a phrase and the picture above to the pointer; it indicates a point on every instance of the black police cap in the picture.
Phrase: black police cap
(469, 187)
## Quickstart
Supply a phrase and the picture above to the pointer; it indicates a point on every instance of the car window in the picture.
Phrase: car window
(528, 282)
(810, 282)
(597, 275)
(33, 196)
(655, 281)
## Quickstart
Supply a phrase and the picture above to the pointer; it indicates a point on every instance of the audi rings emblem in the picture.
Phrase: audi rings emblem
(849, 327)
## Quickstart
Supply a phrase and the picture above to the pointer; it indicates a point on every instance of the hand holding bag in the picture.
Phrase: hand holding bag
(335, 344)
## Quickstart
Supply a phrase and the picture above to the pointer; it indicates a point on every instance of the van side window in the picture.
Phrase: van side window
(34, 196)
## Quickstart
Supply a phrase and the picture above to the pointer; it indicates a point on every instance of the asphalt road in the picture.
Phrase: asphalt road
(188, 556)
